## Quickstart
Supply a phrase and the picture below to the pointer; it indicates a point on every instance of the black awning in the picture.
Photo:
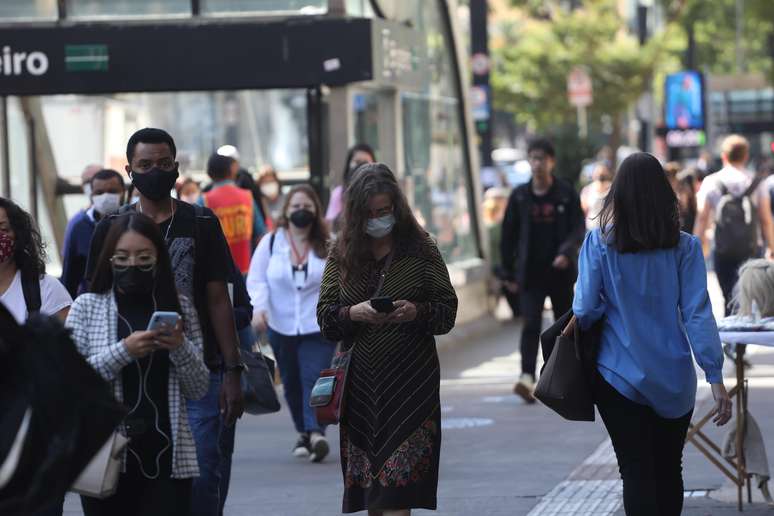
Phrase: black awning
(188, 55)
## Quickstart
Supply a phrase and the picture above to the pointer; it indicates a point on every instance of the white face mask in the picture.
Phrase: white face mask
(106, 203)
(270, 190)
(381, 226)
(190, 198)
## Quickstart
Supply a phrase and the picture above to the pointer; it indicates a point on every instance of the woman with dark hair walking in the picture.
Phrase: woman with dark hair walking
(284, 285)
(648, 281)
(152, 371)
(358, 155)
(391, 426)
(25, 287)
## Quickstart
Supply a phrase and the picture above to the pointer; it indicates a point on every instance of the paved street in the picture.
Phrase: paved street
(499, 456)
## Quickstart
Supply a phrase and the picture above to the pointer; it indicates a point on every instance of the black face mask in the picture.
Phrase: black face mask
(155, 184)
(302, 218)
(134, 281)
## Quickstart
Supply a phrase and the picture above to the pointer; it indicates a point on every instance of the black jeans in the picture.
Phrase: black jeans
(138, 496)
(559, 289)
(727, 272)
(649, 449)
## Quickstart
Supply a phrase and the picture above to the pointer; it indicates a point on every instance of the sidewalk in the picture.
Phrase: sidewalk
(708, 491)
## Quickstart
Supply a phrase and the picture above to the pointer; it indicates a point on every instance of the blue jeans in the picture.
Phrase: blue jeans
(247, 337)
(214, 448)
(300, 359)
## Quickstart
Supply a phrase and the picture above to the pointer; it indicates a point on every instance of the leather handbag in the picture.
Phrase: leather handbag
(100, 477)
(564, 384)
(328, 393)
(258, 383)
(327, 397)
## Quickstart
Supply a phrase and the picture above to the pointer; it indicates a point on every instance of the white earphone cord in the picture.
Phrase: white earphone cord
(143, 392)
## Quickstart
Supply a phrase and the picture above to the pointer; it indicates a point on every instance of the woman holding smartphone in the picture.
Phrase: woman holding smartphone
(284, 284)
(648, 281)
(385, 293)
(152, 370)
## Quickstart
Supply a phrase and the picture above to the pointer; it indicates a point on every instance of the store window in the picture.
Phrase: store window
(264, 6)
(366, 109)
(126, 8)
(28, 9)
(267, 126)
(438, 178)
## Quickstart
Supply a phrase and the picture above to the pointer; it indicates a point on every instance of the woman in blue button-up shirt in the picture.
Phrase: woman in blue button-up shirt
(648, 281)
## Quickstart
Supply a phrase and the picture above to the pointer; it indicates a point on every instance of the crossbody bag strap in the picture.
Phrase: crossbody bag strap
(383, 273)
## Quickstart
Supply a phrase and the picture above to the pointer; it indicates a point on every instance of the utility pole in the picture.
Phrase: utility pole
(480, 65)
(645, 107)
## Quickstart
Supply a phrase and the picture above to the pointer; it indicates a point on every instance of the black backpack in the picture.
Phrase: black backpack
(736, 224)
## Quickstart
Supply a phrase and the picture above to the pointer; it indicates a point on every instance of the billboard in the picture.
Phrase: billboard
(684, 100)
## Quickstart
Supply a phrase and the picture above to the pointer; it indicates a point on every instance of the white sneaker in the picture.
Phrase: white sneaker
(319, 448)
(525, 387)
(301, 448)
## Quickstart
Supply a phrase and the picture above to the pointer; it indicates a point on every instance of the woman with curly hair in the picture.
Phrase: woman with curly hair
(391, 422)
(25, 288)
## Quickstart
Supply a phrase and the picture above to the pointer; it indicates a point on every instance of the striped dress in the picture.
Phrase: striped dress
(391, 425)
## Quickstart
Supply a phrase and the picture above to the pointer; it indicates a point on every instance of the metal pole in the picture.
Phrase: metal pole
(33, 163)
(583, 124)
(6, 152)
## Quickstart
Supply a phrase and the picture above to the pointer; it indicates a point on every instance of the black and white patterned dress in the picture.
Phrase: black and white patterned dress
(391, 426)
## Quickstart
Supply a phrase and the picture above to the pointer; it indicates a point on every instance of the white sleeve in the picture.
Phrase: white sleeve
(53, 296)
(257, 285)
(708, 192)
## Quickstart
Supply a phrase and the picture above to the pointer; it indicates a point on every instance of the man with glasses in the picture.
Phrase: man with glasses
(543, 229)
(201, 264)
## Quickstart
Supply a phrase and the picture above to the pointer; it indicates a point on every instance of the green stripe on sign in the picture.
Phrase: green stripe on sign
(86, 58)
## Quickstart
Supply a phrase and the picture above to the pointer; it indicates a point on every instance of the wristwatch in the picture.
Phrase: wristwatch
(238, 367)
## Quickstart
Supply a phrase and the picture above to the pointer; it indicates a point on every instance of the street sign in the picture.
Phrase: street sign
(480, 63)
(579, 91)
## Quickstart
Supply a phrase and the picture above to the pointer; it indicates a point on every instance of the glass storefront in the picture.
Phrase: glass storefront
(433, 145)
(267, 126)
(28, 9)
(264, 6)
(124, 8)
(365, 106)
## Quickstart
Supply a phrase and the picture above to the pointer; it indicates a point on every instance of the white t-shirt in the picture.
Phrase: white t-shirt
(53, 297)
(736, 182)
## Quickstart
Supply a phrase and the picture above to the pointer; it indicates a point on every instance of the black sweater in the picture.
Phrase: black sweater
(569, 227)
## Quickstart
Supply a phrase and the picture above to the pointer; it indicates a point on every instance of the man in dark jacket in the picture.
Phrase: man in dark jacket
(543, 229)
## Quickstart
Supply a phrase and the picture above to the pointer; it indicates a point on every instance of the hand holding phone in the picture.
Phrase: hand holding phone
(163, 321)
(383, 304)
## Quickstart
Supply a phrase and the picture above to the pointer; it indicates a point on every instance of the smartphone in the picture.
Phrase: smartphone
(161, 319)
(382, 304)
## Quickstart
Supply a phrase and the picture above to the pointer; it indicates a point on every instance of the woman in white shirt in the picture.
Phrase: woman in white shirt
(284, 286)
(22, 264)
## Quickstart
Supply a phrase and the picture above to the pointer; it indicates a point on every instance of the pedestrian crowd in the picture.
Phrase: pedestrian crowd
(164, 295)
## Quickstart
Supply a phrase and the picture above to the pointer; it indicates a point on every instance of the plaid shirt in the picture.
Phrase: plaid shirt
(93, 320)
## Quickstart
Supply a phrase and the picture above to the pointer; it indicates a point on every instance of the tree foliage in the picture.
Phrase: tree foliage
(714, 27)
(536, 54)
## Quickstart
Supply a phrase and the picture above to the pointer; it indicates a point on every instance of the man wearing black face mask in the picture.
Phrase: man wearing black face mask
(201, 264)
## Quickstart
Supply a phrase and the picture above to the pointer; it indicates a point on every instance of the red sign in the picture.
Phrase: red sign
(579, 91)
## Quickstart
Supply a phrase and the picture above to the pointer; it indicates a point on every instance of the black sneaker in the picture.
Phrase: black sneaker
(319, 448)
(302, 447)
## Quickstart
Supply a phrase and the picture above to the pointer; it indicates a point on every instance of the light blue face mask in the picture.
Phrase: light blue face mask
(381, 226)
